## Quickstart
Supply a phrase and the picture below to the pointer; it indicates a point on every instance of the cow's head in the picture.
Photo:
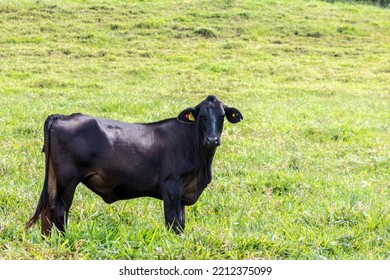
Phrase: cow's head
(209, 116)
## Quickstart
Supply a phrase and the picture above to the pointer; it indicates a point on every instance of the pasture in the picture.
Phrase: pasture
(305, 175)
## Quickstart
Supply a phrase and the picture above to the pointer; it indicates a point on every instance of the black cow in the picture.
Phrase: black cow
(169, 160)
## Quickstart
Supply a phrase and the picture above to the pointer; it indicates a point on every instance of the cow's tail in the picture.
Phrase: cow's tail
(44, 198)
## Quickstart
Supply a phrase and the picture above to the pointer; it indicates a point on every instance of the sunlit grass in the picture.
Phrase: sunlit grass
(304, 176)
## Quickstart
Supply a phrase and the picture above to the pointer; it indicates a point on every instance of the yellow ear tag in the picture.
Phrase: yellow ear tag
(191, 117)
(234, 115)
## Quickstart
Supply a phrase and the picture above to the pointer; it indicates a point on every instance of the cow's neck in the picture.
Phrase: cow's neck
(206, 157)
(209, 156)
(203, 156)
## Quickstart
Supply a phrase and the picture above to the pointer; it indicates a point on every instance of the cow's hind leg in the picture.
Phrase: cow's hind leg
(62, 207)
(57, 214)
(59, 197)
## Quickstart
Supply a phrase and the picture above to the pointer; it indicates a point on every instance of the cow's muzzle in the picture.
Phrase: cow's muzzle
(212, 142)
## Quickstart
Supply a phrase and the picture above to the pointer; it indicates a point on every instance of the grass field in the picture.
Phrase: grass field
(306, 175)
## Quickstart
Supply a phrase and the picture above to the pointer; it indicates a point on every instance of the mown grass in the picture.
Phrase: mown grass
(304, 176)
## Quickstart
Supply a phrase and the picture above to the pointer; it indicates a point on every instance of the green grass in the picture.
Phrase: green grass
(304, 176)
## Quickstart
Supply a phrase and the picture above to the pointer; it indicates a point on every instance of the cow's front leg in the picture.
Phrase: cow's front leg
(174, 214)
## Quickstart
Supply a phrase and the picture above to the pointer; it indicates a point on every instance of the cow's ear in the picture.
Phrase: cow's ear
(188, 115)
(233, 115)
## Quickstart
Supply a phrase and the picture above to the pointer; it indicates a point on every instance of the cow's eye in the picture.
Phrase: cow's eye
(202, 118)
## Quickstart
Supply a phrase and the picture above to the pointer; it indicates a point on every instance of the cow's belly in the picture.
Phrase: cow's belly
(113, 188)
